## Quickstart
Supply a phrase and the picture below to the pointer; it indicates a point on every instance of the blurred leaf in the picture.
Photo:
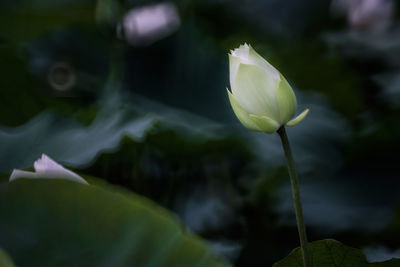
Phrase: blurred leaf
(18, 101)
(25, 85)
(107, 15)
(77, 225)
(329, 252)
(26, 20)
(5, 260)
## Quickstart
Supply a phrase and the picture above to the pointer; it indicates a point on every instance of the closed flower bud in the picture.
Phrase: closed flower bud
(261, 97)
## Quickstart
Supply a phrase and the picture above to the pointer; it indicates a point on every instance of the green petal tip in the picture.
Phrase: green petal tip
(298, 119)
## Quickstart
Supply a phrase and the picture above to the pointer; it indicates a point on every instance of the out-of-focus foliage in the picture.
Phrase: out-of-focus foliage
(26, 20)
(5, 259)
(154, 117)
(44, 226)
(333, 253)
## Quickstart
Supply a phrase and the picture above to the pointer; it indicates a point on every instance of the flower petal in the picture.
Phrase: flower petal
(256, 59)
(241, 114)
(267, 125)
(298, 119)
(17, 174)
(255, 91)
(234, 63)
(286, 101)
(47, 168)
(242, 52)
(46, 163)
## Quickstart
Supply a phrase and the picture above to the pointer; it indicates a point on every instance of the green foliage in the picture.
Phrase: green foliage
(16, 93)
(107, 15)
(60, 223)
(28, 20)
(5, 260)
(331, 253)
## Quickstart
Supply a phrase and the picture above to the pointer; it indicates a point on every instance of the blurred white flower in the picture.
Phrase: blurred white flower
(147, 24)
(367, 15)
(47, 168)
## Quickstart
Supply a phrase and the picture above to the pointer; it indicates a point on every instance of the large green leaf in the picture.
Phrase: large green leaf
(331, 253)
(5, 260)
(61, 223)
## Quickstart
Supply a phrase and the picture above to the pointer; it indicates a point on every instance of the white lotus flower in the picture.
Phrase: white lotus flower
(261, 97)
(47, 168)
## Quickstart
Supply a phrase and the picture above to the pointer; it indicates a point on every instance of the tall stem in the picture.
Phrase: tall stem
(296, 197)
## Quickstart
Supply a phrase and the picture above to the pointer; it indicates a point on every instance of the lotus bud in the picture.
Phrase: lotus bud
(261, 97)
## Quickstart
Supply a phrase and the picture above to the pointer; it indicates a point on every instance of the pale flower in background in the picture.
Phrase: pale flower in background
(47, 168)
(366, 15)
(261, 97)
(147, 24)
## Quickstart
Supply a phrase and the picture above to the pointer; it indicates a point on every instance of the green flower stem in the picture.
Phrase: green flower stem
(296, 197)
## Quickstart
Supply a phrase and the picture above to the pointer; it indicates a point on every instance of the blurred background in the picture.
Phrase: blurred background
(133, 92)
